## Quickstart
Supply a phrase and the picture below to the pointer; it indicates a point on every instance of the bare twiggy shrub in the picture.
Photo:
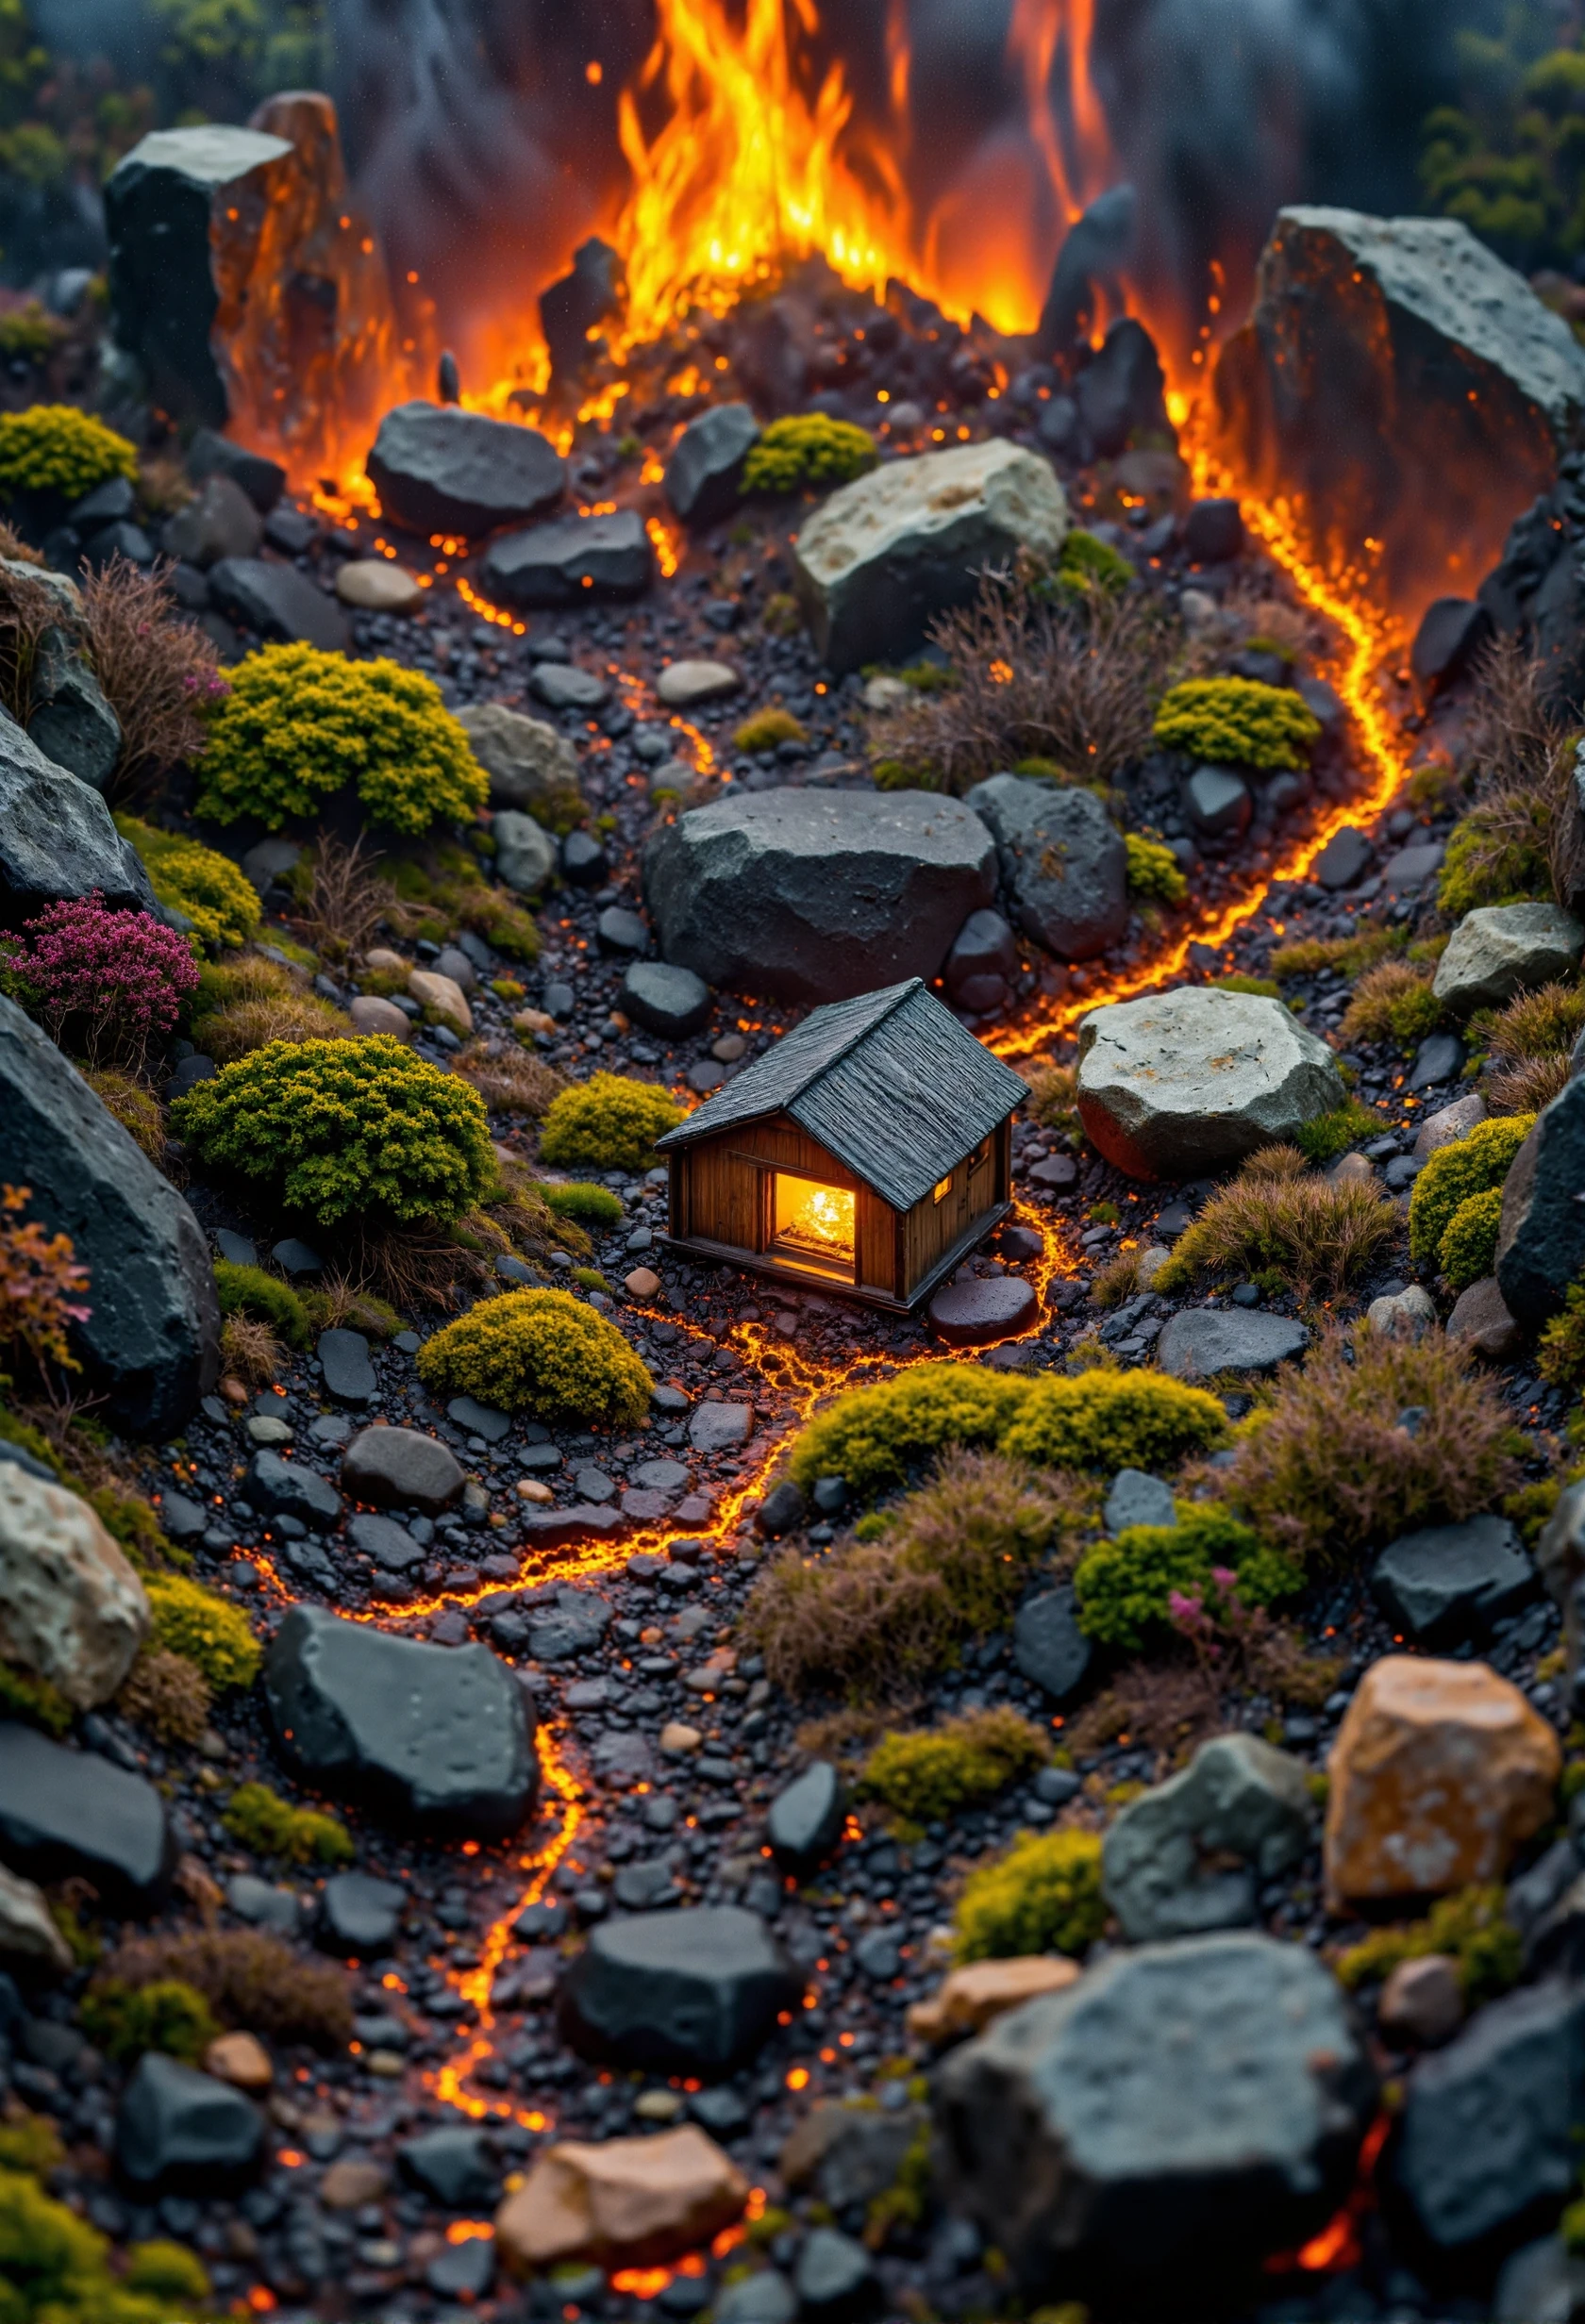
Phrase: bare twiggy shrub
(248, 1978)
(1318, 1234)
(1164, 1707)
(348, 897)
(513, 1083)
(1075, 685)
(160, 671)
(168, 1695)
(250, 1352)
(1513, 730)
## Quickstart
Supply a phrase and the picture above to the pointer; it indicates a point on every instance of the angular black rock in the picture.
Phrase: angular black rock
(452, 2166)
(180, 2130)
(348, 1374)
(693, 1992)
(672, 1002)
(1451, 1585)
(71, 722)
(1048, 1645)
(58, 843)
(780, 1512)
(1540, 1243)
(432, 1733)
(281, 603)
(805, 1821)
(358, 1913)
(1451, 633)
(704, 476)
(438, 469)
(71, 1815)
(574, 562)
(286, 1488)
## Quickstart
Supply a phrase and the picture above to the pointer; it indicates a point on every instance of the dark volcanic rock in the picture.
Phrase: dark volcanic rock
(453, 2166)
(982, 963)
(694, 1992)
(178, 2129)
(348, 1374)
(1123, 389)
(438, 469)
(1450, 1585)
(286, 1488)
(1063, 862)
(1048, 1645)
(1213, 532)
(72, 721)
(437, 1732)
(1541, 1245)
(281, 603)
(578, 302)
(1247, 2092)
(781, 1511)
(1451, 633)
(400, 1469)
(670, 1002)
(360, 1914)
(1408, 384)
(58, 843)
(982, 1310)
(805, 1821)
(152, 1341)
(1488, 2124)
(71, 1815)
(262, 480)
(1199, 1342)
(703, 475)
(803, 895)
(387, 1542)
(835, 2277)
(572, 563)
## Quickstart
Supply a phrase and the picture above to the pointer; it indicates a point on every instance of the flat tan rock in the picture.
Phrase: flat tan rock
(683, 684)
(383, 957)
(1440, 1771)
(351, 2181)
(430, 990)
(374, 585)
(676, 1740)
(370, 1014)
(968, 1997)
(1422, 2004)
(242, 2060)
(1481, 1316)
(630, 2202)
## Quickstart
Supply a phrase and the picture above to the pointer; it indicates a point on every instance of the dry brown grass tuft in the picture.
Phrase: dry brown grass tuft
(248, 1979)
(1053, 1100)
(1164, 1707)
(1318, 1235)
(1392, 1001)
(513, 1083)
(1325, 1469)
(250, 1352)
(1531, 1040)
(1074, 685)
(136, 1108)
(168, 1695)
(1117, 1280)
(1525, 1089)
(160, 671)
(347, 898)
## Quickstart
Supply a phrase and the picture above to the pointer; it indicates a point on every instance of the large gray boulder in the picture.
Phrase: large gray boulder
(186, 213)
(71, 1609)
(1063, 862)
(151, 1344)
(1409, 384)
(1541, 1242)
(58, 843)
(1192, 1853)
(1178, 2113)
(1190, 1082)
(438, 469)
(532, 767)
(440, 1734)
(805, 895)
(1502, 949)
(888, 552)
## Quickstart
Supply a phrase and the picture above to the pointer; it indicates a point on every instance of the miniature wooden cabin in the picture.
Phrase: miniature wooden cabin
(868, 1152)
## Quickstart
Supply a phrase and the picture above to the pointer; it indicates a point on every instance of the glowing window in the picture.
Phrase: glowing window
(813, 1225)
(943, 1189)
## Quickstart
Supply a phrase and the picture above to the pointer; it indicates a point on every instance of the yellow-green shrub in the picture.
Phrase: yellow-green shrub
(926, 1776)
(220, 899)
(261, 1821)
(1104, 1422)
(345, 1129)
(1471, 1926)
(1468, 1248)
(56, 448)
(590, 1206)
(1237, 722)
(166, 2015)
(1472, 1165)
(607, 1123)
(1044, 1896)
(807, 449)
(1154, 871)
(300, 725)
(208, 1630)
(54, 2267)
(767, 729)
(539, 1352)
(1124, 1585)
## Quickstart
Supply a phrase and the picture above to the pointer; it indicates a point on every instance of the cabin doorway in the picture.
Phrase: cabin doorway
(813, 1227)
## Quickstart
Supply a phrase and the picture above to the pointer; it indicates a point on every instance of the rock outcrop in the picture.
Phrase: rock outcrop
(1062, 863)
(72, 1610)
(440, 470)
(57, 842)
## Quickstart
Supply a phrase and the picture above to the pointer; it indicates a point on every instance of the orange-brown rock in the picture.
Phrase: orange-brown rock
(239, 2059)
(632, 2202)
(968, 1997)
(1440, 1770)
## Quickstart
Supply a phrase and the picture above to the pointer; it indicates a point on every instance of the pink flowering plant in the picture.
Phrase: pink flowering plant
(109, 982)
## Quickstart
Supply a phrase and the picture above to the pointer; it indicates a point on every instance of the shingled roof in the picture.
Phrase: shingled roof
(889, 1083)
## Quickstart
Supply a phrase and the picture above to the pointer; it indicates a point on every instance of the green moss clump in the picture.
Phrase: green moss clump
(449, 887)
(29, 2143)
(1352, 954)
(1499, 854)
(1085, 564)
(1471, 1926)
(249, 1291)
(56, 448)
(808, 449)
(167, 2271)
(209, 1630)
(590, 1206)
(136, 1108)
(1468, 1248)
(54, 2267)
(1125, 1586)
(220, 899)
(926, 1776)
(345, 1129)
(542, 1353)
(259, 1819)
(1044, 1896)
(767, 730)
(1258, 987)
(1237, 722)
(1471, 1165)
(23, 1695)
(607, 1123)
(1330, 1134)
(1154, 871)
(300, 725)
(166, 2015)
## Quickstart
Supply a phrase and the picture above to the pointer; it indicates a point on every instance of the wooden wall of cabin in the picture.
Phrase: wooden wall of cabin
(930, 1228)
(721, 1195)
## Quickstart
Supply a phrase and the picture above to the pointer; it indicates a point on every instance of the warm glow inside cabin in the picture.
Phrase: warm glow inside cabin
(867, 1150)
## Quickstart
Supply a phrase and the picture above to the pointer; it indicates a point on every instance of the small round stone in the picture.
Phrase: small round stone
(376, 586)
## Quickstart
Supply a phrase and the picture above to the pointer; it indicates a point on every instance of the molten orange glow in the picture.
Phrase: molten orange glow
(667, 545)
(816, 1222)
(641, 2282)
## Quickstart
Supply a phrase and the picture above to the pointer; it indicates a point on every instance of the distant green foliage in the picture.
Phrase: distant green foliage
(1086, 564)
(1044, 1896)
(1472, 1165)
(607, 1123)
(220, 899)
(931, 1773)
(808, 449)
(56, 448)
(1468, 1248)
(1237, 722)
(1509, 160)
(542, 1353)
(249, 1291)
(261, 1821)
(590, 1206)
(1499, 854)
(345, 1129)
(299, 725)
(1322, 1139)
(1124, 1585)
(1154, 871)
(28, 333)
(208, 1630)
(167, 2016)
(1471, 1926)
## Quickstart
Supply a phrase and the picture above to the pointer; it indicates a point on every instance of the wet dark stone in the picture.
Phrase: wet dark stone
(703, 475)
(281, 603)
(1541, 1246)
(71, 1815)
(780, 1512)
(805, 1821)
(453, 2167)
(1047, 1644)
(286, 1488)
(550, 564)
(983, 1309)
(360, 1914)
(349, 1375)
(438, 469)
(1450, 1585)
(178, 2128)
(402, 1469)
(691, 1992)
(1451, 634)
(670, 1003)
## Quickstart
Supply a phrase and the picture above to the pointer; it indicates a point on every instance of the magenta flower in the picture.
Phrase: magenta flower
(115, 981)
